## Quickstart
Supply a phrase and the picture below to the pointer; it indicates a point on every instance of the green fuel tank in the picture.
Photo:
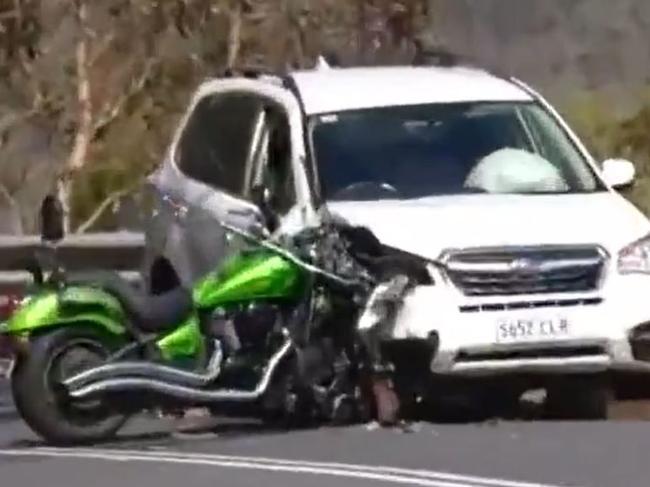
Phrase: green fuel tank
(251, 276)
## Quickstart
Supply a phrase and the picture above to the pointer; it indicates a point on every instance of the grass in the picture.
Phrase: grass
(608, 132)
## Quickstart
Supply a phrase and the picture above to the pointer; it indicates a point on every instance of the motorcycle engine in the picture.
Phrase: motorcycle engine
(244, 327)
(254, 323)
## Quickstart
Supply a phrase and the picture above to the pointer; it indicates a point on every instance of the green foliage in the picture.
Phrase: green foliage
(134, 144)
(189, 42)
(608, 134)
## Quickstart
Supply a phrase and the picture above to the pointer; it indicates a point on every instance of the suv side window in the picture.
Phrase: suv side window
(273, 167)
(215, 144)
(279, 173)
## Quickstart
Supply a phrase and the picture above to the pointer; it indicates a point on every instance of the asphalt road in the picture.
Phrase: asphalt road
(6, 404)
(492, 454)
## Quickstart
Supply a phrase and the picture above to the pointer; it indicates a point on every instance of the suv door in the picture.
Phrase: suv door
(204, 181)
(183, 237)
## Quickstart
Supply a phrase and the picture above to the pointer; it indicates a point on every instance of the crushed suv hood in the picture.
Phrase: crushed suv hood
(426, 227)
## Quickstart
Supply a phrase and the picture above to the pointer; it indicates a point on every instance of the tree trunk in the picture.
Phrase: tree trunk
(11, 221)
(361, 32)
(234, 33)
(83, 135)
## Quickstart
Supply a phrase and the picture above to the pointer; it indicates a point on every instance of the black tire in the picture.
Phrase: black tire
(500, 402)
(47, 412)
(582, 399)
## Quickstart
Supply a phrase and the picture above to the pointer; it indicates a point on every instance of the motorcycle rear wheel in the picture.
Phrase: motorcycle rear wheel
(53, 357)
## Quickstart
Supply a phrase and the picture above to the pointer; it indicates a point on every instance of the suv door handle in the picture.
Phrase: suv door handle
(242, 212)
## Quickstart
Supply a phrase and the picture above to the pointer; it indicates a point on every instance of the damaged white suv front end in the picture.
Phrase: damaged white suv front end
(553, 287)
(539, 266)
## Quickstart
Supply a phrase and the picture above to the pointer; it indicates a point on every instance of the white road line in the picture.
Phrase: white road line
(427, 474)
(241, 465)
(424, 478)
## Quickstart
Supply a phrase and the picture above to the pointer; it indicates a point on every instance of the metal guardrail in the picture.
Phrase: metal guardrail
(118, 251)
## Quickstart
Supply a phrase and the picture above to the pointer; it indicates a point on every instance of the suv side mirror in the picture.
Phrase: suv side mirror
(618, 173)
(52, 228)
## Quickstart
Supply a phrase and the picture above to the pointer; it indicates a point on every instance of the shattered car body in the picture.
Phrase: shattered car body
(533, 263)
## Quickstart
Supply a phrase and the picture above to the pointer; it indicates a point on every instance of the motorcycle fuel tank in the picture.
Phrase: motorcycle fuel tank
(251, 276)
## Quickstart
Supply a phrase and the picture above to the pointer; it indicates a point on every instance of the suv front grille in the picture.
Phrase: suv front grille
(536, 270)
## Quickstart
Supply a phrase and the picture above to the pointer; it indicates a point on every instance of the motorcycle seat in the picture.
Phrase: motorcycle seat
(147, 312)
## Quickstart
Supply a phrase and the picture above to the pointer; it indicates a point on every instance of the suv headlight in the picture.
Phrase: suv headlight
(635, 258)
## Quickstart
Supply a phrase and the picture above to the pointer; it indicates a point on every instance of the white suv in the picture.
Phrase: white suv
(539, 266)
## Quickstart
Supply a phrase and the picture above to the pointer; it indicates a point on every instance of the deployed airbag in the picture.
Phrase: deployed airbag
(511, 170)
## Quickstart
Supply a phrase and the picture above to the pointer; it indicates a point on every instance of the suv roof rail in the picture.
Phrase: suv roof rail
(328, 60)
(322, 64)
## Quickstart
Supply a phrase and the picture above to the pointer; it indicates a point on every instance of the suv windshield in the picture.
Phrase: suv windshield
(419, 151)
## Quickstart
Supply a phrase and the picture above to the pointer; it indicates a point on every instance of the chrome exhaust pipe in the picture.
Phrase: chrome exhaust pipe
(160, 372)
(189, 394)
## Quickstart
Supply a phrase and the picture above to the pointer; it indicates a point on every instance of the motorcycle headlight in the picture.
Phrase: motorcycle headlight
(635, 258)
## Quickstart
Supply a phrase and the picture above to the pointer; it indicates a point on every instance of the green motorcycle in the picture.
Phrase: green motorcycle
(270, 334)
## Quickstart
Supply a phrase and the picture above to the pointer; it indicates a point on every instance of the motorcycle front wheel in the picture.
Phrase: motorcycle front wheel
(52, 358)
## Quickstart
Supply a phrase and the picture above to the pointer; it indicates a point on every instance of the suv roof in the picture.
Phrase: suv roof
(338, 89)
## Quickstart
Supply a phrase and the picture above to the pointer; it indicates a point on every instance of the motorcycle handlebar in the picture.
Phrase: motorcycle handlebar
(333, 278)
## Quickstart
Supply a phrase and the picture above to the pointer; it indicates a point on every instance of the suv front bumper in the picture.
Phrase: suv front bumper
(601, 325)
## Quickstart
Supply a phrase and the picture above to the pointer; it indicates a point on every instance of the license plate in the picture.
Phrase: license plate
(531, 329)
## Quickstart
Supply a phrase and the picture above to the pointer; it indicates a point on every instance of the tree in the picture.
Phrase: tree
(90, 91)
